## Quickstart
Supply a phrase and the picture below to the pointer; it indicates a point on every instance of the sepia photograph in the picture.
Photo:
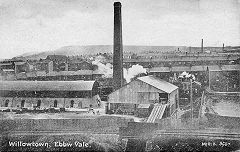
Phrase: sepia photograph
(120, 75)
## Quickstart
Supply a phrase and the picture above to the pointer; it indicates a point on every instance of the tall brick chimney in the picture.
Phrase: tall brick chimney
(117, 48)
(202, 46)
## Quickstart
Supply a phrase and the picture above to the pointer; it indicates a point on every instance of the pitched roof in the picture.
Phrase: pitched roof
(162, 69)
(47, 85)
(158, 83)
(199, 68)
(180, 68)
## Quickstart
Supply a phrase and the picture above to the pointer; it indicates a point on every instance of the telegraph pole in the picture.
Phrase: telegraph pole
(191, 101)
(190, 79)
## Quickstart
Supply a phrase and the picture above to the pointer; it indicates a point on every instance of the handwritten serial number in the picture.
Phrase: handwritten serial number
(221, 143)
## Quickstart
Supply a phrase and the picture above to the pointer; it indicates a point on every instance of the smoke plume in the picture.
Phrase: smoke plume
(107, 69)
(133, 71)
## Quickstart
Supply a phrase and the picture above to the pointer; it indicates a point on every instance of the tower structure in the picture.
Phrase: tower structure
(117, 48)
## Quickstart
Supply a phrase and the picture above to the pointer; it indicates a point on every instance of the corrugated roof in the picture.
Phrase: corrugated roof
(47, 85)
(158, 83)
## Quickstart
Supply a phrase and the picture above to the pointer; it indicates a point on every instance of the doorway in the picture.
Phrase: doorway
(6, 103)
(55, 103)
(22, 103)
(71, 104)
(38, 103)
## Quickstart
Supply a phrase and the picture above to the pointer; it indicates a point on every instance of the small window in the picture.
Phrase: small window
(22, 103)
(80, 104)
(71, 104)
(39, 103)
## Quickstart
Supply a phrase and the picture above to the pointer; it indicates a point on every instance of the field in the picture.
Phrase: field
(71, 131)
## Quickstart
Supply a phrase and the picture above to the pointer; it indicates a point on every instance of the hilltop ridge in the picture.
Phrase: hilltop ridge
(94, 49)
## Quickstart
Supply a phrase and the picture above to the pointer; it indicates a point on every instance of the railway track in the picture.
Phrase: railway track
(191, 133)
(207, 133)
(219, 135)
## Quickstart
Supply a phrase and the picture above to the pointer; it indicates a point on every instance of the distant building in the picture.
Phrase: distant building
(170, 59)
(8, 66)
(59, 62)
(57, 58)
(82, 65)
(58, 68)
(202, 73)
(43, 65)
(22, 67)
(14, 69)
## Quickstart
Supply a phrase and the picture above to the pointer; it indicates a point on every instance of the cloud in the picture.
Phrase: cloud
(40, 25)
(216, 21)
(48, 8)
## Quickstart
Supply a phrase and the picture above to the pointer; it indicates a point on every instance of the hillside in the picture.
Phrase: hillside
(94, 49)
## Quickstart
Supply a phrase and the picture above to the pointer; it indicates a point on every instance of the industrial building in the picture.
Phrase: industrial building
(142, 93)
(48, 70)
(46, 94)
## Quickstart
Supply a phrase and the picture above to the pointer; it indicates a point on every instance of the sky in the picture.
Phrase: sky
(44, 25)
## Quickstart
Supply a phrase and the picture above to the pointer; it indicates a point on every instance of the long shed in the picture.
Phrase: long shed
(72, 94)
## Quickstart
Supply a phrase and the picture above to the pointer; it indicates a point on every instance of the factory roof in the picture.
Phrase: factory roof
(182, 59)
(162, 69)
(233, 67)
(180, 68)
(199, 68)
(20, 63)
(158, 83)
(47, 85)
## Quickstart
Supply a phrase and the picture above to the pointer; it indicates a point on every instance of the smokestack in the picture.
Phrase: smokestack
(117, 48)
(223, 47)
(202, 46)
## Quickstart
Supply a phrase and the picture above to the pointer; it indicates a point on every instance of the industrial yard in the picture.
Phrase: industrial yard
(125, 97)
